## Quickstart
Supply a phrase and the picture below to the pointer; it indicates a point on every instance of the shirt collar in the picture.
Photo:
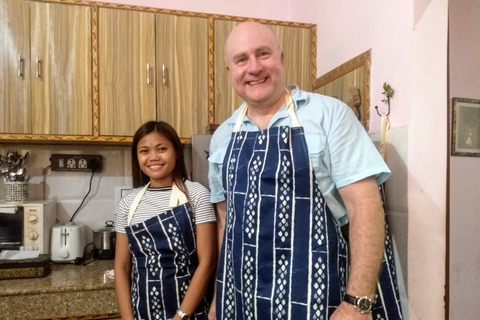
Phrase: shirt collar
(299, 98)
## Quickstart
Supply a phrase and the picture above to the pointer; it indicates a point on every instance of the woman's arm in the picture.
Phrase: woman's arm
(123, 267)
(206, 250)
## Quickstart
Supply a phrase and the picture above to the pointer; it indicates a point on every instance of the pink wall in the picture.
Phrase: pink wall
(464, 47)
(409, 51)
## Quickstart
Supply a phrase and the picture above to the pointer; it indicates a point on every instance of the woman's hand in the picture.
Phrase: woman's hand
(211, 313)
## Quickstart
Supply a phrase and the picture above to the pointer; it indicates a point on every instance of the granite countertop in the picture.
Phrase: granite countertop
(63, 277)
(69, 290)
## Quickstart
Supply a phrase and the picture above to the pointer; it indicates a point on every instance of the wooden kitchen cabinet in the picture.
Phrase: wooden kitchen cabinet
(296, 43)
(182, 73)
(76, 70)
(152, 67)
(46, 68)
(127, 94)
(14, 76)
(60, 69)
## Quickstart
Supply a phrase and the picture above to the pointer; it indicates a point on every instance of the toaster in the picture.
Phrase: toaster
(68, 242)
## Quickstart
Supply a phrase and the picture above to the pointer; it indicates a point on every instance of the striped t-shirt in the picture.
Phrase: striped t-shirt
(156, 200)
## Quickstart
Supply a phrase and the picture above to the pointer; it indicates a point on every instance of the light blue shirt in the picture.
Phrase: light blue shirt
(339, 147)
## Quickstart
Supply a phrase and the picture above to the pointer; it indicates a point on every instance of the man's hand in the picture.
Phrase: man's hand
(347, 311)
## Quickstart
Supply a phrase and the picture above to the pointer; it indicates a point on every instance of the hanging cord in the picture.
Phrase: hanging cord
(89, 188)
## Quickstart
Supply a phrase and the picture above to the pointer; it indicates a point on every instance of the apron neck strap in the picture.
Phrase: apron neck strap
(135, 203)
(290, 110)
(177, 198)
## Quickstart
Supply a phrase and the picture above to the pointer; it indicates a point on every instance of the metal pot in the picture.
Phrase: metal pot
(104, 242)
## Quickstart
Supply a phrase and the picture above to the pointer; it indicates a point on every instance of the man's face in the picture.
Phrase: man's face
(255, 64)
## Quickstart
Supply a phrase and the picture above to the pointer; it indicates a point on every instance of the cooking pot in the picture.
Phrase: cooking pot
(104, 242)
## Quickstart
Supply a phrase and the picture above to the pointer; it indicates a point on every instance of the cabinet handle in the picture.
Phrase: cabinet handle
(164, 80)
(38, 67)
(20, 66)
(148, 73)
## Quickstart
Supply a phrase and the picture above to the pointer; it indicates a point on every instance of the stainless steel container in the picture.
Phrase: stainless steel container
(104, 242)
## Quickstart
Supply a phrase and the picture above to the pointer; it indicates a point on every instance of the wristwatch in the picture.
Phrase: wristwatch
(363, 304)
(183, 315)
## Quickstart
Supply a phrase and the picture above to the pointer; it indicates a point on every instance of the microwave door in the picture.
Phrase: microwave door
(11, 228)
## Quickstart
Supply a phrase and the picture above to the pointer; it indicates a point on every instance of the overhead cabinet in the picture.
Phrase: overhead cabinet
(152, 66)
(14, 71)
(46, 68)
(74, 70)
(127, 96)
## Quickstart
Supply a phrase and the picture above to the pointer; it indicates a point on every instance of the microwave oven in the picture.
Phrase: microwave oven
(27, 226)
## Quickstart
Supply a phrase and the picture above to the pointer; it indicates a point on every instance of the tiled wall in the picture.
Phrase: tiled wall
(69, 188)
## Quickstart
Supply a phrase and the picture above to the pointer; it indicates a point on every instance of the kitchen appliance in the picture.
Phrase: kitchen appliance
(104, 242)
(27, 226)
(68, 242)
(200, 154)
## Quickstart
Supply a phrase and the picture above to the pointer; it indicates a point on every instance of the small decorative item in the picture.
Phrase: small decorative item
(15, 178)
(466, 127)
(388, 93)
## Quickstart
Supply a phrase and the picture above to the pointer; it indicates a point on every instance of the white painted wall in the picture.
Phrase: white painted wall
(409, 47)
(464, 16)
(427, 154)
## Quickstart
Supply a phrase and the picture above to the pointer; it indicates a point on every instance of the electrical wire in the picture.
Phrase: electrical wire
(89, 188)
(88, 256)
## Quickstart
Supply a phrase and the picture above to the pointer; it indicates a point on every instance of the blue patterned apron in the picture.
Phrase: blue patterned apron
(164, 259)
(283, 254)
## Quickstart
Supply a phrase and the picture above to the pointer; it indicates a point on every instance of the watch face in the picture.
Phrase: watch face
(364, 304)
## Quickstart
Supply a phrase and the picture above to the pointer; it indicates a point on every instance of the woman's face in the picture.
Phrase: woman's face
(157, 158)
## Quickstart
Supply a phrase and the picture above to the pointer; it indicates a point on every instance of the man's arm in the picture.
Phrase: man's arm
(366, 235)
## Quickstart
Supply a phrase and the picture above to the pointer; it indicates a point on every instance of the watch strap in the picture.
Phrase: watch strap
(363, 304)
(350, 299)
(183, 315)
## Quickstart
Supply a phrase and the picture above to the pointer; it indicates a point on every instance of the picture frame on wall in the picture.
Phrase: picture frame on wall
(465, 127)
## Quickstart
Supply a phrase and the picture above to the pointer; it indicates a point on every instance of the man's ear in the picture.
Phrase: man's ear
(228, 69)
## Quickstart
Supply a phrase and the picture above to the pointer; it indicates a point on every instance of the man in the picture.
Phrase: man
(286, 170)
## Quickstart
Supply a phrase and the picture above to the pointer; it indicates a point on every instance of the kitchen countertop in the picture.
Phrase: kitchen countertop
(68, 291)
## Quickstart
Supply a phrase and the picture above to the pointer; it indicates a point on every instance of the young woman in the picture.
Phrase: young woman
(165, 244)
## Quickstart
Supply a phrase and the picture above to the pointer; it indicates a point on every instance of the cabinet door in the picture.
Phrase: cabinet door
(182, 73)
(60, 62)
(127, 97)
(296, 45)
(14, 70)
(226, 99)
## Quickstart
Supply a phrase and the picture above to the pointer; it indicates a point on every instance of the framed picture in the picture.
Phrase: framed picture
(466, 127)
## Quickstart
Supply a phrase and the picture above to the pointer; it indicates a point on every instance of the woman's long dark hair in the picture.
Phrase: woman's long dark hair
(166, 130)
